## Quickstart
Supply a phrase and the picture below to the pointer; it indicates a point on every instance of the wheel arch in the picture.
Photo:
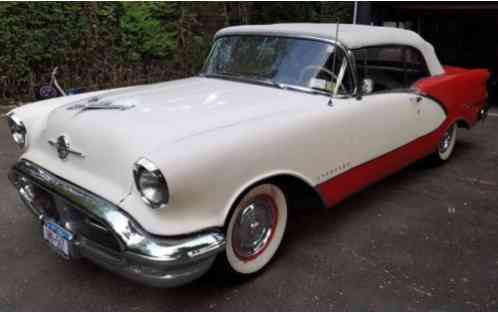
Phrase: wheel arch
(462, 123)
(293, 185)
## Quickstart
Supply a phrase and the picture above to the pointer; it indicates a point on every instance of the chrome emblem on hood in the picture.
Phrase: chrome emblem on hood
(95, 103)
(63, 147)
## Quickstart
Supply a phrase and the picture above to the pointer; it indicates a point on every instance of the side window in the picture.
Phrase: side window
(415, 66)
(342, 72)
(333, 74)
(390, 67)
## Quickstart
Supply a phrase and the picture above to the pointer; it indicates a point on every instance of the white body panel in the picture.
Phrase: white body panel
(388, 121)
(213, 138)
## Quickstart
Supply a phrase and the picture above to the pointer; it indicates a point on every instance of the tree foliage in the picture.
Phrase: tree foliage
(108, 44)
(146, 29)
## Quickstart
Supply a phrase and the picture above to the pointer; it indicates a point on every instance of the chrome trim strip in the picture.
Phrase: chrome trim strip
(411, 91)
(138, 248)
(18, 123)
(144, 164)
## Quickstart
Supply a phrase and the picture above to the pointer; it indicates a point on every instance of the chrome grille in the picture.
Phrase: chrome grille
(60, 210)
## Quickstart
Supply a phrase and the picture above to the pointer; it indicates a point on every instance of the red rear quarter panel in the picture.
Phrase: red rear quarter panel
(462, 92)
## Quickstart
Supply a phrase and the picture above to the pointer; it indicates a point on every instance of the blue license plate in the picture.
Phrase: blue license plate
(58, 238)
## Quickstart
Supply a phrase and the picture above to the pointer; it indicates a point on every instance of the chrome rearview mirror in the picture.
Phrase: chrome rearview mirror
(367, 86)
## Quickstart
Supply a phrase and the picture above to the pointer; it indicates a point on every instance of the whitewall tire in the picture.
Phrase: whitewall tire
(447, 144)
(256, 228)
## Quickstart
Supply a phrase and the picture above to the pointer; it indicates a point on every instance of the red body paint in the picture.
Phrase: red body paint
(461, 92)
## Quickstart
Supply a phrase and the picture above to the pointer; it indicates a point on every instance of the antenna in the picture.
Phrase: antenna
(334, 59)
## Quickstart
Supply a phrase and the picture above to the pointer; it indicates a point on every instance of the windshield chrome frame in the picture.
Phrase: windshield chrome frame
(347, 53)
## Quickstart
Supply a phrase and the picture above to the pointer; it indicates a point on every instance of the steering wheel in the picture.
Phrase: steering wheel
(321, 69)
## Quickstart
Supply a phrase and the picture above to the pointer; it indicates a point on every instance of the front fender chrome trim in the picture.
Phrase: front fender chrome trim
(153, 260)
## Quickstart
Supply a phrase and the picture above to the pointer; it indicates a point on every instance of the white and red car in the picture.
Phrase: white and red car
(153, 182)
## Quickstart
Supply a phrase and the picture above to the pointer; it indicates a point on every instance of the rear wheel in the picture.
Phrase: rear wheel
(446, 145)
(255, 229)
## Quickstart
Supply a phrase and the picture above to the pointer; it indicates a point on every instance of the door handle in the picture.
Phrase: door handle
(416, 103)
(416, 100)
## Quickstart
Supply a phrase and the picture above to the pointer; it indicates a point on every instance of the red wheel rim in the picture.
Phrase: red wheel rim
(254, 228)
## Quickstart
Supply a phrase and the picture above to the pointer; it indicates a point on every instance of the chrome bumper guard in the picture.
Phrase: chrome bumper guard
(148, 259)
(483, 113)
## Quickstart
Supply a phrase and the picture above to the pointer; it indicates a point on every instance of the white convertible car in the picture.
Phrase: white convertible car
(153, 182)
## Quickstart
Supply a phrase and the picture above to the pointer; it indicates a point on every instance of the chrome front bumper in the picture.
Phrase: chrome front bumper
(129, 250)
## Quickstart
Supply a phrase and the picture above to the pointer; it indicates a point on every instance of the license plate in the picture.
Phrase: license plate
(58, 238)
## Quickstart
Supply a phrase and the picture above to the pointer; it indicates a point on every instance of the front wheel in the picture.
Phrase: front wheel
(255, 229)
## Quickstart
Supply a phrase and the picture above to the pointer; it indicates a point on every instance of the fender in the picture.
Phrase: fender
(462, 92)
(339, 188)
(241, 190)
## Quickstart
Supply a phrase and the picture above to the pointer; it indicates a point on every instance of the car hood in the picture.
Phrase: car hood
(155, 117)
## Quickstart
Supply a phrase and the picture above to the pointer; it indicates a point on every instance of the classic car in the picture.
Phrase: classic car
(154, 182)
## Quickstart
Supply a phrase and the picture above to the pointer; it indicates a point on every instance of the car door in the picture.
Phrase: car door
(392, 115)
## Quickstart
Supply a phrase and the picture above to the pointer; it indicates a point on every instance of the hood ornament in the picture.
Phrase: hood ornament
(63, 147)
(95, 103)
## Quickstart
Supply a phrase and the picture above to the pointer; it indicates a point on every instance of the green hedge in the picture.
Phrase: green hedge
(107, 44)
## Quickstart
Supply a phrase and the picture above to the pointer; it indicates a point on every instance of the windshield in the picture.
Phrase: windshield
(282, 62)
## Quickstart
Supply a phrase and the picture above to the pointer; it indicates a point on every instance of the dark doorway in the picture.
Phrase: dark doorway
(464, 34)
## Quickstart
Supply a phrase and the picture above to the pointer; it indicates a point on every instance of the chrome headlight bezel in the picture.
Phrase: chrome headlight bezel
(145, 167)
(18, 130)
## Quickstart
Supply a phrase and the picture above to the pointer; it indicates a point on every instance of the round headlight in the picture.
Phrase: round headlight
(17, 129)
(151, 184)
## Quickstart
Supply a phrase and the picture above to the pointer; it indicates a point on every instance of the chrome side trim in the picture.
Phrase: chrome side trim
(412, 91)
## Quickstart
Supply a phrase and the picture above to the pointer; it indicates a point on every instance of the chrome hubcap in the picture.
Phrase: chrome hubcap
(446, 141)
(254, 228)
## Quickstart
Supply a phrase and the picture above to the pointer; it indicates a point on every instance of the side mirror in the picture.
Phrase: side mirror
(367, 86)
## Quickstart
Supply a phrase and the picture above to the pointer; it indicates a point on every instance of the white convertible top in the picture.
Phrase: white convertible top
(350, 35)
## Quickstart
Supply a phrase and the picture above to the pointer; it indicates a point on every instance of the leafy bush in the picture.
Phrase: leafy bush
(107, 44)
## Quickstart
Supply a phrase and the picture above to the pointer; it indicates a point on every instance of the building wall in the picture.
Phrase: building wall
(463, 33)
